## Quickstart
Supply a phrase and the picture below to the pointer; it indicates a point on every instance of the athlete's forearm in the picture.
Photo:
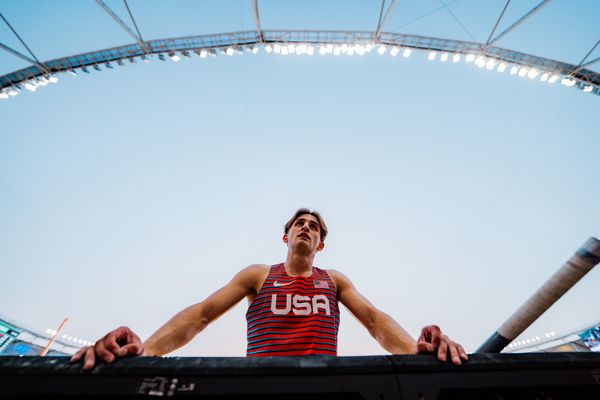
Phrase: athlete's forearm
(177, 332)
(391, 336)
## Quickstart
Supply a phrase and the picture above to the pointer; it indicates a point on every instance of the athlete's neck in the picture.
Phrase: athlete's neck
(298, 264)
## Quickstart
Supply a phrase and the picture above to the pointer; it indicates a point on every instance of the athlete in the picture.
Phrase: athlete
(293, 310)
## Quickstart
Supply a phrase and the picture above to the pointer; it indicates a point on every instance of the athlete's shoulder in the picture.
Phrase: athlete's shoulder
(340, 280)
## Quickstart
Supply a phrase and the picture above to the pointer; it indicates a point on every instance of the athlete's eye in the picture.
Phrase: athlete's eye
(314, 227)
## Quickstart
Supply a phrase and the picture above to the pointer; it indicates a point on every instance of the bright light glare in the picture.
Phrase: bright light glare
(456, 58)
(532, 73)
(431, 55)
(53, 79)
(310, 50)
(523, 71)
(176, 58)
(502, 67)
(406, 53)
(588, 89)
(337, 51)
(394, 52)
(470, 58)
(284, 50)
(381, 49)
(229, 52)
(514, 69)
(291, 48)
(322, 50)
(268, 48)
(277, 49)
(254, 50)
(553, 79)
(544, 77)
(12, 92)
(490, 64)
(30, 87)
(3, 95)
(444, 57)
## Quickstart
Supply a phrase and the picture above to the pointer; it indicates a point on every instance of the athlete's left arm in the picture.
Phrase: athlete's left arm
(388, 333)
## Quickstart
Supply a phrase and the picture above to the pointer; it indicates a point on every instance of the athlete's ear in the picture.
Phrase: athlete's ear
(321, 246)
(285, 238)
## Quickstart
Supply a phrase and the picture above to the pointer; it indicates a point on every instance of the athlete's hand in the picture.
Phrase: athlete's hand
(119, 343)
(433, 339)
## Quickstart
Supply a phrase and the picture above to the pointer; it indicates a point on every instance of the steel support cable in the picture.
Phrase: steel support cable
(18, 54)
(423, 16)
(581, 63)
(497, 22)
(254, 4)
(123, 25)
(457, 20)
(518, 22)
(383, 20)
(133, 20)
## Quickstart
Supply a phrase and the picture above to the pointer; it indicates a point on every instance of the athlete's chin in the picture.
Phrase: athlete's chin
(303, 248)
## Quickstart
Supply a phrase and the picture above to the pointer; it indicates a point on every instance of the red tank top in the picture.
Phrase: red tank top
(294, 315)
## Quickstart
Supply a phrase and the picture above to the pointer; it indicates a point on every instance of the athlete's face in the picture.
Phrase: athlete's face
(305, 234)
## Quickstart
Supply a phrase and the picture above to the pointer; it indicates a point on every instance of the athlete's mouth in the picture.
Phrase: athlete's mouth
(304, 235)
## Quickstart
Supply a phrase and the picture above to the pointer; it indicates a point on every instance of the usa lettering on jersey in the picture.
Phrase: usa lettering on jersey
(302, 305)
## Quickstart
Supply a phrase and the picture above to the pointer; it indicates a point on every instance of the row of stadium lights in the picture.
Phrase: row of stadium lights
(75, 340)
(532, 340)
(327, 49)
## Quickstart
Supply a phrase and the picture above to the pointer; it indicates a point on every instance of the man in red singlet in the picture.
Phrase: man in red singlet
(293, 310)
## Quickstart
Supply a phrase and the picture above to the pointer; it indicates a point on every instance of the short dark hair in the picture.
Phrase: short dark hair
(304, 211)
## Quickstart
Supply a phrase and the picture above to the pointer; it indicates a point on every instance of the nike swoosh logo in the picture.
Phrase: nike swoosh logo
(277, 284)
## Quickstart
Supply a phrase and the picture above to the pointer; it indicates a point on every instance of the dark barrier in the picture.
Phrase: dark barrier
(484, 376)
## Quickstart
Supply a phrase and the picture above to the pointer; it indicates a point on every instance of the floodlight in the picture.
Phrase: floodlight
(432, 55)
(301, 49)
(344, 48)
(229, 51)
(3, 95)
(174, 57)
(588, 89)
(254, 50)
(369, 47)
(394, 52)
(406, 53)
(322, 50)
(329, 48)
(42, 81)
(277, 49)
(336, 51)
(350, 51)
(456, 58)
(470, 58)
(490, 64)
(544, 77)
(291, 48)
(444, 57)
(284, 51)
(502, 67)
(53, 79)
(523, 71)
(203, 53)
(12, 92)
(29, 86)
(381, 49)
(268, 48)
(360, 50)
(310, 50)
(48, 331)
(480, 61)
(533, 73)
(514, 69)
(72, 72)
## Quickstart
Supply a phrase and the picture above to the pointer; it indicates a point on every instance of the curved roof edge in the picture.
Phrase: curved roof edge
(581, 77)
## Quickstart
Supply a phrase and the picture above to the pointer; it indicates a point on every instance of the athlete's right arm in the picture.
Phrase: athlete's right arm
(180, 329)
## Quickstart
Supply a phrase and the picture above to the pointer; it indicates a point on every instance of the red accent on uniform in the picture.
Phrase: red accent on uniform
(294, 315)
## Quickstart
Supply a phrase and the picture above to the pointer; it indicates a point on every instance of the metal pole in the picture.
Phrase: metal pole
(584, 259)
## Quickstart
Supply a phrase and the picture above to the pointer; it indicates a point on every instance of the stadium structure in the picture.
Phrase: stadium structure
(303, 43)
(16, 339)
